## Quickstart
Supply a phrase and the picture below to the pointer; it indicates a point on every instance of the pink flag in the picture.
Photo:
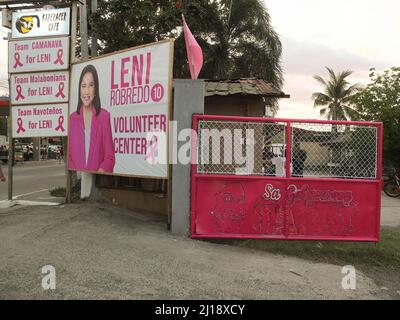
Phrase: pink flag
(193, 50)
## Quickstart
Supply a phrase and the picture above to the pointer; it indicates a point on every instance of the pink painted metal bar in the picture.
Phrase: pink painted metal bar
(379, 177)
(193, 192)
(258, 119)
(288, 153)
(293, 238)
(253, 177)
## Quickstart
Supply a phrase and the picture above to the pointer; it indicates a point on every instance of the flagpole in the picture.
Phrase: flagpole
(190, 49)
(230, 11)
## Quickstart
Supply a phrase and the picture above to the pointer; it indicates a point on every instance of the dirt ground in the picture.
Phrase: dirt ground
(103, 252)
(390, 211)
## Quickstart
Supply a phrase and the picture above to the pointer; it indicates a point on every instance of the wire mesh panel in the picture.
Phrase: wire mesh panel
(238, 147)
(332, 150)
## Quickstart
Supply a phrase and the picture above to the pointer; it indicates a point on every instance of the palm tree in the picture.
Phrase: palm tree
(236, 36)
(245, 43)
(336, 99)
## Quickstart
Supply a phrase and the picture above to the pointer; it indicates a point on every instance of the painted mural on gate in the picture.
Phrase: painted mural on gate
(229, 209)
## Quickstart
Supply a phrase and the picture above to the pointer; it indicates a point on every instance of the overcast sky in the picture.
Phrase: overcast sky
(341, 34)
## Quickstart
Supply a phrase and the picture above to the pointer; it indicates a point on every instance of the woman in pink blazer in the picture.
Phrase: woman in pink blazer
(90, 138)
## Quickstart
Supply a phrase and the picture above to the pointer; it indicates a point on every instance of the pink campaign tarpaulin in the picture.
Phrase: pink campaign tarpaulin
(126, 96)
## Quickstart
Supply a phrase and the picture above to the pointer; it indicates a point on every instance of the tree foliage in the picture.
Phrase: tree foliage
(337, 97)
(380, 101)
(236, 36)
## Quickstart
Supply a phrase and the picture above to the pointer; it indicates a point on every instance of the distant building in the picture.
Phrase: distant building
(4, 106)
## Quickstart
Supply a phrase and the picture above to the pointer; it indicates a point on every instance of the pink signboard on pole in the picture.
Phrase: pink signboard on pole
(43, 87)
(40, 121)
(38, 54)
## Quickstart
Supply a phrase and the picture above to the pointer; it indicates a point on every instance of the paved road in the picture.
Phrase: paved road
(33, 179)
(390, 211)
(103, 252)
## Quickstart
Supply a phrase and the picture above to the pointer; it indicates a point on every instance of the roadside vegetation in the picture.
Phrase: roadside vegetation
(377, 101)
(384, 254)
(61, 191)
(58, 192)
(379, 261)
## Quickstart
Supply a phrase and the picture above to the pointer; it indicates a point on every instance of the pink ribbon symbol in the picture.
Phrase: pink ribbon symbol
(19, 93)
(152, 150)
(60, 53)
(60, 90)
(60, 124)
(17, 59)
(20, 127)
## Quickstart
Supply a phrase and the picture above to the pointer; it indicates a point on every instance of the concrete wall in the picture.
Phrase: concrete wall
(188, 99)
(137, 200)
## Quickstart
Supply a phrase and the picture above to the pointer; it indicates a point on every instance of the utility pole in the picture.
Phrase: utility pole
(84, 29)
(86, 178)
(71, 175)
(10, 145)
(94, 47)
(88, 187)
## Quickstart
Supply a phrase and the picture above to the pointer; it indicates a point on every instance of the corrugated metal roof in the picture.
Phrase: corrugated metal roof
(243, 86)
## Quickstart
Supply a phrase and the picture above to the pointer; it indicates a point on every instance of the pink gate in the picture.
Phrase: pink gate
(285, 179)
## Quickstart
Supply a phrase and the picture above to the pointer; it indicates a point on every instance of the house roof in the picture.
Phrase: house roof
(244, 86)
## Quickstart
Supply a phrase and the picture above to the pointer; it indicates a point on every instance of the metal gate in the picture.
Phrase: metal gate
(285, 179)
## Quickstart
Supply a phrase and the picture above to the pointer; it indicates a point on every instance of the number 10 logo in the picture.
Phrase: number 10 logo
(157, 92)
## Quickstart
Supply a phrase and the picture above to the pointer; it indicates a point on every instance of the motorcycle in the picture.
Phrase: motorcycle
(392, 187)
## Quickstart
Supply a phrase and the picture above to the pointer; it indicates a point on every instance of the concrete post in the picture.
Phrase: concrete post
(83, 29)
(71, 175)
(188, 99)
(94, 46)
(36, 149)
(88, 186)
